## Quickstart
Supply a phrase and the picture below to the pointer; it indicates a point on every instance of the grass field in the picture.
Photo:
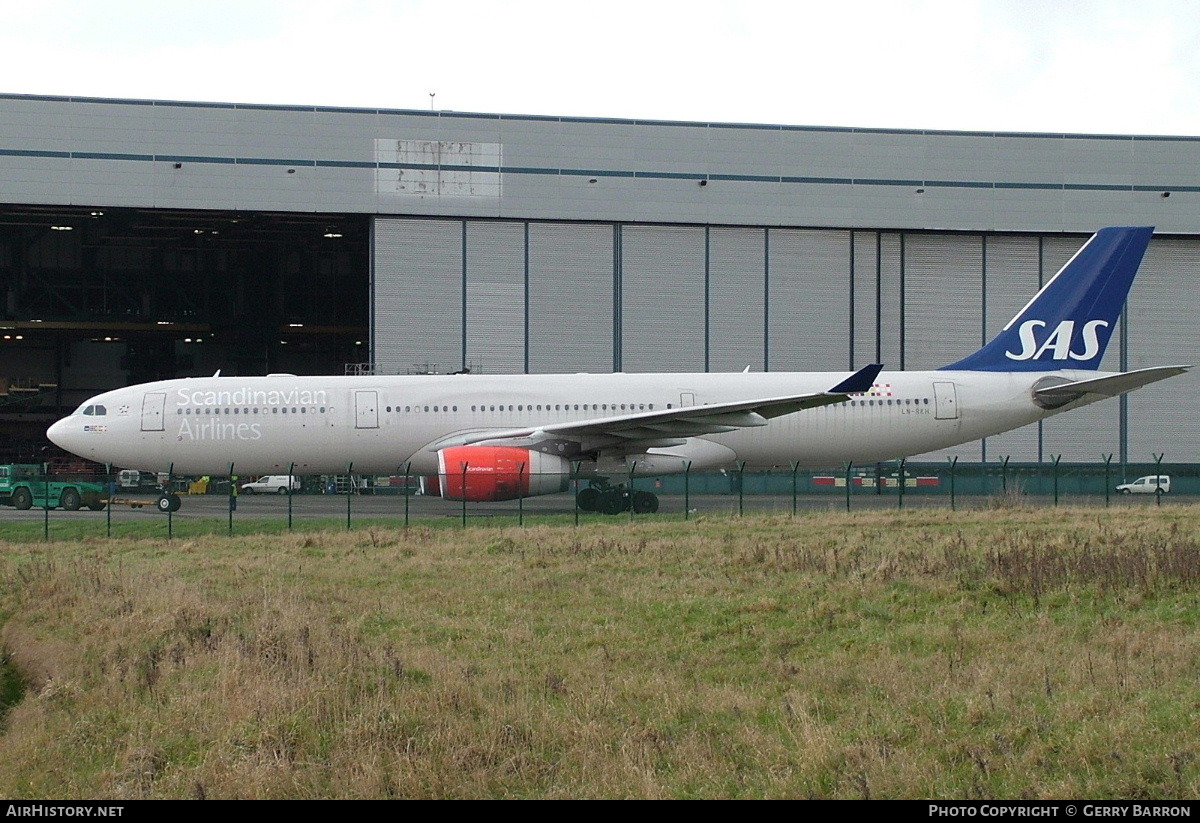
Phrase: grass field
(933, 654)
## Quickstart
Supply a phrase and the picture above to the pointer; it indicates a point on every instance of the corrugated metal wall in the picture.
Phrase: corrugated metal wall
(641, 298)
(458, 165)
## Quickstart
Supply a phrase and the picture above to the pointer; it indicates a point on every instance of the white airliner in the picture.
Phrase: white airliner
(500, 437)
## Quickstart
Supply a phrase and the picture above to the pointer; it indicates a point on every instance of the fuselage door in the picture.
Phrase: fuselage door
(945, 401)
(687, 398)
(366, 409)
(153, 405)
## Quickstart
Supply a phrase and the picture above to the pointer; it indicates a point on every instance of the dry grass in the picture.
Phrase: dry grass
(902, 654)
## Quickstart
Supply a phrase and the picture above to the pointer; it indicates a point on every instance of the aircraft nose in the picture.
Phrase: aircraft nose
(65, 434)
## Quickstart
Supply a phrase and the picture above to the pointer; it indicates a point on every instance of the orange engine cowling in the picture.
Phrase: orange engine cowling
(482, 473)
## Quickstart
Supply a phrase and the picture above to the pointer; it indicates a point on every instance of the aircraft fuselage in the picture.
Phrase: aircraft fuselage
(381, 424)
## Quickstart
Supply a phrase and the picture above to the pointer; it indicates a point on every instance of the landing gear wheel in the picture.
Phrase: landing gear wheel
(70, 500)
(588, 500)
(644, 502)
(614, 501)
(169, 502)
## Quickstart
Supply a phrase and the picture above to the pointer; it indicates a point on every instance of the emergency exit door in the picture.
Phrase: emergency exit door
(366, 410)
(153, 406)
(945, 400)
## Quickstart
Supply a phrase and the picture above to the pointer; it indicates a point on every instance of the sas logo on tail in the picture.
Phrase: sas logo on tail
(1059, 341)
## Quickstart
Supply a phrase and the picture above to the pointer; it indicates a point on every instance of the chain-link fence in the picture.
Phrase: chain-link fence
(70, 502)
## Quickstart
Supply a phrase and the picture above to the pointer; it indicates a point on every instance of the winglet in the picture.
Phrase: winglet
(860, 381)
(1068, 323)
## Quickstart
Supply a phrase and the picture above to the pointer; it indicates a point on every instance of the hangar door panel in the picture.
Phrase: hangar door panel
(1162, 331)
(809, 315)
(495, 297)
(864, 299)
(662, 299)
(736, 289)
(943, 306)
(570, 297)
(417, 295)
(876, 294)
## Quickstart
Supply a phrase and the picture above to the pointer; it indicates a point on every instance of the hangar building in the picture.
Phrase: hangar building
(148, 239)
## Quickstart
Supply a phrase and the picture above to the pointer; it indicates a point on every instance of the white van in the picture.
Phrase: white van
(1150, 484)
(272, 484)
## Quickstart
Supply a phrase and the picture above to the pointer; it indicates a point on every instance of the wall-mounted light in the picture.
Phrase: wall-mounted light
(62, 228)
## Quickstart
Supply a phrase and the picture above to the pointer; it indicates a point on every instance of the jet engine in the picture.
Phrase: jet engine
(491, 473)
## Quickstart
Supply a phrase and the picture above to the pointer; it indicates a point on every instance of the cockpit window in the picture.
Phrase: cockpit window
(95, 410)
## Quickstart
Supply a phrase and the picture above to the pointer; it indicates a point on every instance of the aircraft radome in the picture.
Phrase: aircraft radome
(504, 436)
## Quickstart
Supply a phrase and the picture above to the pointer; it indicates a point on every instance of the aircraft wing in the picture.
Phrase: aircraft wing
(1110, 386)
(669, 426)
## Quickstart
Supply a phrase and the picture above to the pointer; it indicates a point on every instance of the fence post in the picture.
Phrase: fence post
(232, 497)
(687, 473)
(1004, 474)
(900, 505)
(291, 470)
(795, 468)
(407, 490)
(170, 509)
(349, 490)
(849, 465)
(463, 491)
(575, 464)
(46, 502)
(1107, 482)
(632, 468)
(1056, 457)
(953, 464)
(108, 493)
(1158, 492)
(520, 494)
(741, 485)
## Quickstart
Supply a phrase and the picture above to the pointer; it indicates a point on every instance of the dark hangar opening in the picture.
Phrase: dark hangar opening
(100, 297)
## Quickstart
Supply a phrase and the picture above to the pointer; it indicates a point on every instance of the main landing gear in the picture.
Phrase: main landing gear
(616, 499)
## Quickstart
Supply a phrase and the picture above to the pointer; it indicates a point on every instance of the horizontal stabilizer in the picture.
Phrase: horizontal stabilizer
(1110, 386)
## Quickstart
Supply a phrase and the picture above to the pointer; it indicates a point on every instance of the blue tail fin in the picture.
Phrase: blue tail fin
(1068, 323)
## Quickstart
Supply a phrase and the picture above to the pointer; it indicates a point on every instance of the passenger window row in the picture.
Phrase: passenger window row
(523, 407)
(253, 410)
